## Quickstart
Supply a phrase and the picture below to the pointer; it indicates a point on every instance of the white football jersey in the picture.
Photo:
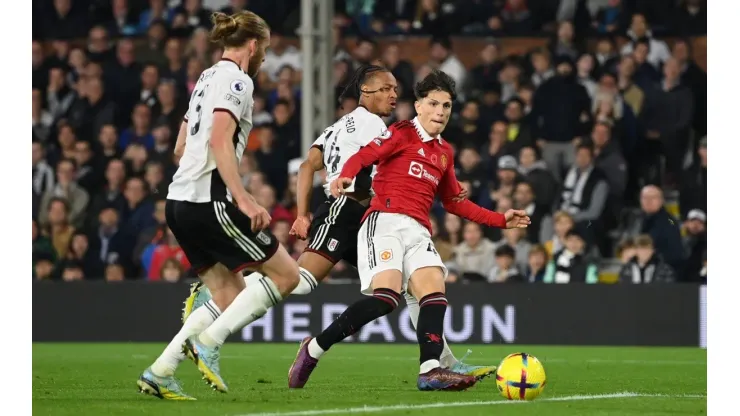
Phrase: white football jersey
(222, 87)
(343, 139)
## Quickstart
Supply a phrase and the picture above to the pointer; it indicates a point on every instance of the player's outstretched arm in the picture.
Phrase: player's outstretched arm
(313, 163)
(449, 191)
(180, 144)
(222, 146)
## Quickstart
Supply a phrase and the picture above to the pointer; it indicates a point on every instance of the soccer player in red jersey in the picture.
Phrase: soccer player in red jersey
(414, 165)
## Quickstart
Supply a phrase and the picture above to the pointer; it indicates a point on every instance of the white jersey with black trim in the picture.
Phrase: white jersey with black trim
(222, 87)
(343, 139)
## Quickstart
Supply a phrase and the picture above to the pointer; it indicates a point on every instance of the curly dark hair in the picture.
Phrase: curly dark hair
(435, 81)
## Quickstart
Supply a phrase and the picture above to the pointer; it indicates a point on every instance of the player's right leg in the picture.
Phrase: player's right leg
(381, 280)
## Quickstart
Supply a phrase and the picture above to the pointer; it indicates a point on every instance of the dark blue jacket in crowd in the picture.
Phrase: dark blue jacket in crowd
(666, 234)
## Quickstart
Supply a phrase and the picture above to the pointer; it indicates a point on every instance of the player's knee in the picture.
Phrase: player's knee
(387, 300)
(283, 271)
(426, 280)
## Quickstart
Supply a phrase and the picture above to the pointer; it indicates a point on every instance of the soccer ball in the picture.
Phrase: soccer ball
(520, 376)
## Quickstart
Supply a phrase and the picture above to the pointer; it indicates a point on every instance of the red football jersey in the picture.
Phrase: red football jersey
(414, 167)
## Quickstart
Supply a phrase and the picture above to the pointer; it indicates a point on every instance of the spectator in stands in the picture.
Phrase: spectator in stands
(99, 45)
(524, 198)
(571, 264)
(626, 250)
(540, 61)
(474, 256)
(519, 134)
(195, 14)
(640, 31)
(115, 272)
(43, 266)
(172, 271)
(516, 238)
(112, 193)
(162, 152)
(505, 269)
(124, 23)
(695, 78)
(691, 18)
(507, 177)
(135, 157)
(167, 249)
(110, 243)
(695, 243)
(42, 119)
(140, 130)
(431, 19)
(660, 226)
(151, 237)
(400, 68)
(564, 44)
(645, 75)
(57, 225)
(287, 130)
(266, 198)
(39, 70)
(157, 11)
(536, 264)
(516, 18)
(606, 56)
(693, 193)
(470, 169)
(647, 266)
(122, 78)
(444, 248)
(43, 174)
(485, 75)
(608, 158)
(466, 132)
(155, 179)
(87, 176)
(64, 21)
(453, 229)
(59, 95)
(632, 95)
(610, 18)
(585, 189)
(394, 16)
(42, 246)
(271, 160)
(175, 67)
(71, 272)
(585, 69)
(443, 58)
(562, 224)
(78, 256)
(151, 52)
(66, 188)
(563, 108)
(138, 213)
(667, 119)
(534, 171)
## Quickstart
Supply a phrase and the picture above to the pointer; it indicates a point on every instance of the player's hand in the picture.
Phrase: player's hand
(300, 227)
(516, 218)
(337, 186)
(462, 195)
(257, 214)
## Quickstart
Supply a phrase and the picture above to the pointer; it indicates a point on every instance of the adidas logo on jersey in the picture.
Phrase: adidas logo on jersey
(421, 152)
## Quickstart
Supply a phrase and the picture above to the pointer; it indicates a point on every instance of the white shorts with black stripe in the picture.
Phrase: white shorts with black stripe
(389, 241)
(334, 228)
(217, 232)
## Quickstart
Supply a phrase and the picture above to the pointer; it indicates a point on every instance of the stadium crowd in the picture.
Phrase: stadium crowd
(602, 142)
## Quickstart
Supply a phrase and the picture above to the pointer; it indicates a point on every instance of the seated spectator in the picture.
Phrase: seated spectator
(71, 272)
(693, 187)
(111, 244)
(474, 257)
(536, 264)
(444, 248)
(535, 172)
(172, 271)
(266, 198)
(114, 273)
(647, 266)
(79, 254)
(43, 266)
(140, 130)
(168, 249)
(585, 190)
(524, 198)
(572, 264)
(695, 243)
(626, 250)
(516, 239)
(562, 224)
(42, 246)
(58, 227)
(505, 269)
(639, 31)
(67, 189)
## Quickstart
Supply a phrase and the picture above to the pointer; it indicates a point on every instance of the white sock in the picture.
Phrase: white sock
(428, 366)
(196, 323)
(314, 350)
(248, 306)
(447, 359)
(306, 284)
(252, 278)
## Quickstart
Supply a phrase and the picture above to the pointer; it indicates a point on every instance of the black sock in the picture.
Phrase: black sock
(381, 303)
(429, 328)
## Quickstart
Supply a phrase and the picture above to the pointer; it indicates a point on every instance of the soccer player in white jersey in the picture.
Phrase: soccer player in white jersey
(219, 225)
(333, 232)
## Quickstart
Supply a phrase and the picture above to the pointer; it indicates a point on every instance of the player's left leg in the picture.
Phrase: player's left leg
(447, 359)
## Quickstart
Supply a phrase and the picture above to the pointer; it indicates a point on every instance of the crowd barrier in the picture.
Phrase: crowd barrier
(648, 315)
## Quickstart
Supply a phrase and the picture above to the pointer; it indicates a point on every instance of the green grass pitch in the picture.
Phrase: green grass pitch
(100, 379)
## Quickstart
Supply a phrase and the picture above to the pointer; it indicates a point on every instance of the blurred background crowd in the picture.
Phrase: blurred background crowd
(588, 114)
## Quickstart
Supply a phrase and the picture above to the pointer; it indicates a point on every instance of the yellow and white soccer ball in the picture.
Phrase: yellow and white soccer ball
(520, 376)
